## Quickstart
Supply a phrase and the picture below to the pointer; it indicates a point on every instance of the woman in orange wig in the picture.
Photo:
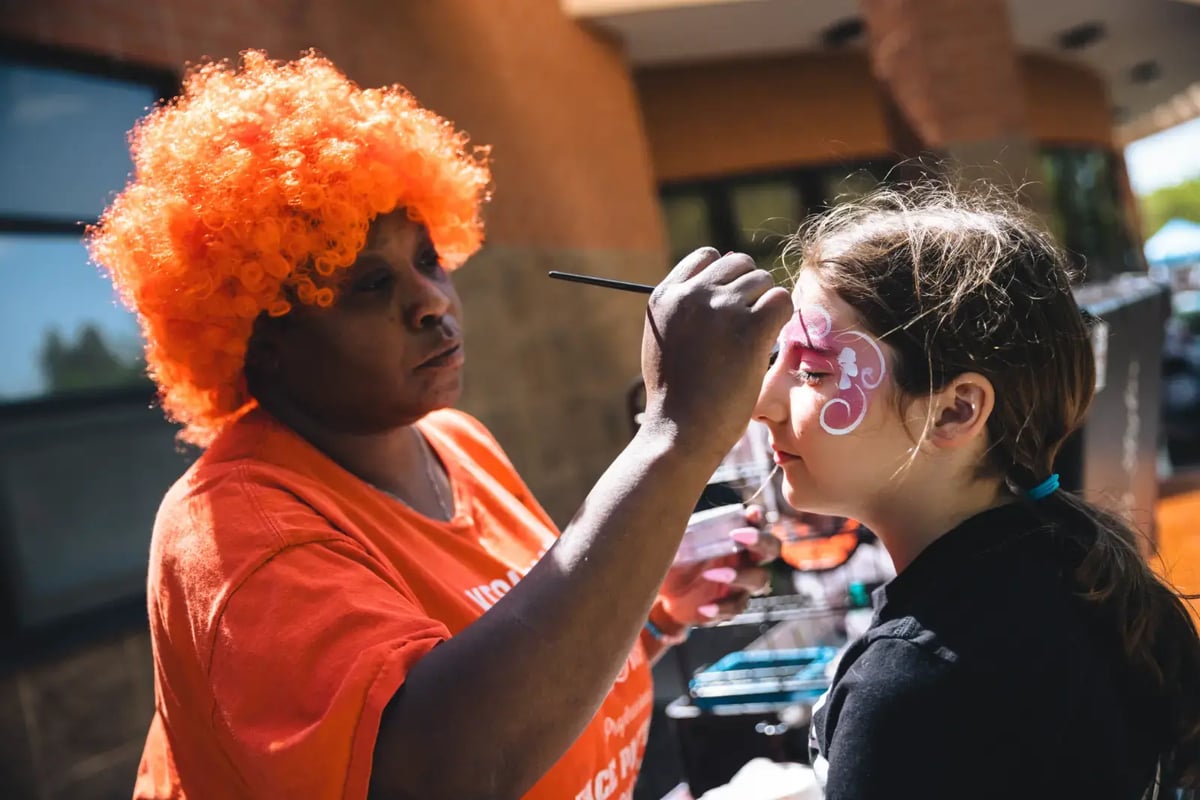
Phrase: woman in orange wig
(352, 593)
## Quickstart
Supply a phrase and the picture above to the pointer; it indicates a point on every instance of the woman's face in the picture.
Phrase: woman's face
(388, 352)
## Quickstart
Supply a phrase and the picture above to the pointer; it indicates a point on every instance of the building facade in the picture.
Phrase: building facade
(623, 135)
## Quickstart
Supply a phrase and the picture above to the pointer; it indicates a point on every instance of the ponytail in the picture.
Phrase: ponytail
(1153, 623)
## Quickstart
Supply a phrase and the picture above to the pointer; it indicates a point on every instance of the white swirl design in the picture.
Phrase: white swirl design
(867, 375)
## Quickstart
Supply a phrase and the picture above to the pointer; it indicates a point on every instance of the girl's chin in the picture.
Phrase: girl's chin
(804, 499)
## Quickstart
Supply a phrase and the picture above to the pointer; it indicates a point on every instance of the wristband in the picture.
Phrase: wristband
(664, 628)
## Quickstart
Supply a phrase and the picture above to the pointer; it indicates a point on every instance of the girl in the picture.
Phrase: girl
(935, 365)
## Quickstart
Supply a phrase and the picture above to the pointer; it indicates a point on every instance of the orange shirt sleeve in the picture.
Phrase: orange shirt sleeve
(308, 650)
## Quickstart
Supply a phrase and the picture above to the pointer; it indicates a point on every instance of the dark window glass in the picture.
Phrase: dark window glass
(688, 221)
(63, 147)
(839, 186)
(765, 214)
(1086, 211)
(64, 154)
(757, 213)
(84, 460)
(62, 329)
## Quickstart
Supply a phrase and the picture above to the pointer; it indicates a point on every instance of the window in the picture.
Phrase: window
(83, 461)
(756, 214)
(1087, 217)
(765, 214)
(63, 154)
(840, 186)
(688, 222)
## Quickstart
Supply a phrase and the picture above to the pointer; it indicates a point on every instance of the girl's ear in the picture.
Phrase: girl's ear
(961, 411)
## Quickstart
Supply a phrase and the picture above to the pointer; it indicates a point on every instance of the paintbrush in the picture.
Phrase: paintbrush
(624, 286)
(608, 283)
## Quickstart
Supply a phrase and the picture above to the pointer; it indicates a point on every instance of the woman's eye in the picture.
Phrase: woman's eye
(375, 281)
(429, 260)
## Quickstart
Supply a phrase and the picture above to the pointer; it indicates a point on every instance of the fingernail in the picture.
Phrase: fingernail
(720, 574)
(746, 536)
(709, 611)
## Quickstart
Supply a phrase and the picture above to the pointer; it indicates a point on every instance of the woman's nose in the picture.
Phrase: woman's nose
(428, 302)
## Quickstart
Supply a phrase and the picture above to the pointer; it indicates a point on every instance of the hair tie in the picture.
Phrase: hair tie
(1044, 489)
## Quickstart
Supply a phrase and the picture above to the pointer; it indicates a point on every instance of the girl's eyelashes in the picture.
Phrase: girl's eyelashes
(809, 377)
(803, 364)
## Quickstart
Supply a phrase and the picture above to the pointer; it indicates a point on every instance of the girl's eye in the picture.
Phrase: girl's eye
(808, 377)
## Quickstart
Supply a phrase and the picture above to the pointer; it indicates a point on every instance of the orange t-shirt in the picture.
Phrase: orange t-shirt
(288, 599)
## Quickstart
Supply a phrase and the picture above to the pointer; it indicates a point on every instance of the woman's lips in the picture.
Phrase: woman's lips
(447, 359)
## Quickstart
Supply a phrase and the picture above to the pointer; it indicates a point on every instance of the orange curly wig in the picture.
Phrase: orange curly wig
(257, 184)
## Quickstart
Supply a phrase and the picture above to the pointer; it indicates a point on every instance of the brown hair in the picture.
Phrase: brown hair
(958, 283)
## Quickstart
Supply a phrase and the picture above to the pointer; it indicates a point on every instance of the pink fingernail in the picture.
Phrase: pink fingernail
(709, 611)
(720, 574)
(746, 536)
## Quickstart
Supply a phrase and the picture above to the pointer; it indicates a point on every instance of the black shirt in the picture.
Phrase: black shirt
(984, 675)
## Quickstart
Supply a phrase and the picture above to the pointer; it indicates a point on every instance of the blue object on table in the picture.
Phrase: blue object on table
(763, 676)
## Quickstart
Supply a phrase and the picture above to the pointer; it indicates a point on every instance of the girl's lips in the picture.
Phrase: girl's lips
(782, 457)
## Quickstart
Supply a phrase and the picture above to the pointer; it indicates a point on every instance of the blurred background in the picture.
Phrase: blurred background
(624, 134)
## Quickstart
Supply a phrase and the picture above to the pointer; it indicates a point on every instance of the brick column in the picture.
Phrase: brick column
(950, 80)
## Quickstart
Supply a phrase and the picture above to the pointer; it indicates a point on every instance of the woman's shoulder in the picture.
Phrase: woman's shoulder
(224, 519)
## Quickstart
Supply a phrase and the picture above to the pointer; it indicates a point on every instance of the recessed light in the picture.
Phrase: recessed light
(843, 32)
(1145, 71)
(1081, 36)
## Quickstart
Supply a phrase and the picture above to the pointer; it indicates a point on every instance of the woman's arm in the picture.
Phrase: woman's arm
(514, 690)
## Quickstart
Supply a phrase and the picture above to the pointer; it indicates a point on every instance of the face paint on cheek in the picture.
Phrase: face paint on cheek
(861, 368)
(858, 366)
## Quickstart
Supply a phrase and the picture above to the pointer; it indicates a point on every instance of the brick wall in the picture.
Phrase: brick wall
(72, 727)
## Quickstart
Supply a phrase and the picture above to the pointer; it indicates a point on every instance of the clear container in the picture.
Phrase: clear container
(707, 534)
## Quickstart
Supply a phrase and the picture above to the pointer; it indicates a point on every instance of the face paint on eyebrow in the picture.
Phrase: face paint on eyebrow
(810, 328)
(811, 331)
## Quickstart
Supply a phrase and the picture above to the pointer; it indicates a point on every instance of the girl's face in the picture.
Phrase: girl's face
(830, 405)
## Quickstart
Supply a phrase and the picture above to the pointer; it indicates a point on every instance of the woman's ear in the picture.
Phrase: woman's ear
(961, 411)
(262, 351)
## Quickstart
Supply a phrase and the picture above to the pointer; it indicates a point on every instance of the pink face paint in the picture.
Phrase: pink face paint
(850, 357)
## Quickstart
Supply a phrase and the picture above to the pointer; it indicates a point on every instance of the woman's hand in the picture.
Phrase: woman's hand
(706, 592)
(710, 323)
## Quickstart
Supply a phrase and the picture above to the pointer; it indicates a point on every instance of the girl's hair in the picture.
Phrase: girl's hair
(254, 189)
(959, 283)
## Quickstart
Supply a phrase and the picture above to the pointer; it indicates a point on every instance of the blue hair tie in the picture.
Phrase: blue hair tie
(1044, 489)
